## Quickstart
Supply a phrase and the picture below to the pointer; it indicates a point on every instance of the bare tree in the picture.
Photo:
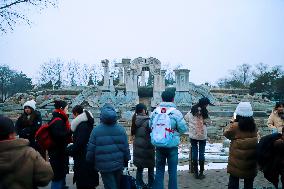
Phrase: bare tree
(170, 75)
(97, 73)
(242, 74)
(13, 11)
(73, 73)
(52, 71)
(85, 72)
(261, 68)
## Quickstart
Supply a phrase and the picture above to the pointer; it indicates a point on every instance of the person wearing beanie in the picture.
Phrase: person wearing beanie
(143, 150)
(276, 118)
(242, 162)
(20, 165)
(28, 124)
(60, 133)
(198, 119)
(108, 148)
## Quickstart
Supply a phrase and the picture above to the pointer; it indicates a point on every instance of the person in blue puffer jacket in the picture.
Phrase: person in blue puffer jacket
(169, 152)
(108, 148)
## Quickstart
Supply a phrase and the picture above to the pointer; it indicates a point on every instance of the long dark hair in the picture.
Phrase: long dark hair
(278, 104)
(246, 124)
(79, 110)
(138, 109)
(204, 112)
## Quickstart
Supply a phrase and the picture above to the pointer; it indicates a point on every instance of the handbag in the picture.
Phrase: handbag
(127, 181)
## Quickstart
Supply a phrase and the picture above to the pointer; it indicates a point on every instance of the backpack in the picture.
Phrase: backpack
(42, 136)
(162, 133)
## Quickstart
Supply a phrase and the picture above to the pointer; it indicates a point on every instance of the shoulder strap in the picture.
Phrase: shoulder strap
(55, 119)
(158, 109)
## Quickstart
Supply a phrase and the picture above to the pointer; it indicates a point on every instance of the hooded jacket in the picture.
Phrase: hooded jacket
(242, 153)
(85, 175)
(21, 167)
(108, 146)
(143, 150)
(178, 124)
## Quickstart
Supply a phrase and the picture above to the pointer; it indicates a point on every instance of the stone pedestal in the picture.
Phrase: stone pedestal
(183, 97)
(182, 79)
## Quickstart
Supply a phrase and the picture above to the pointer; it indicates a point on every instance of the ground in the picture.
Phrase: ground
(215, 179)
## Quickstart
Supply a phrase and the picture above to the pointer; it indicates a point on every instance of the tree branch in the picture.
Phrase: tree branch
(13, 3)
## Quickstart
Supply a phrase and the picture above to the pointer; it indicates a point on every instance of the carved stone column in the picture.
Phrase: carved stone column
(143, 83)
(105, 64)
(156, 91)
(163, 82)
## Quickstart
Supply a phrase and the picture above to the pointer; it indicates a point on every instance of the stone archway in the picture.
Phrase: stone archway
(130, 70)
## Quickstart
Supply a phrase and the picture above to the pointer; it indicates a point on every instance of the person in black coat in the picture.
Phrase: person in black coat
(60, 133)
(271, 157)
(28, 124)
(85, 176)
(143, 150)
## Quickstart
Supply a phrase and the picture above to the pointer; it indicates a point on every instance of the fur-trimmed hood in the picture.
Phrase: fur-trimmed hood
(79, 119)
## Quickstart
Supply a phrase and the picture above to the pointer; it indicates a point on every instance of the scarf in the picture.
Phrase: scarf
(68, 126)
(67, 123)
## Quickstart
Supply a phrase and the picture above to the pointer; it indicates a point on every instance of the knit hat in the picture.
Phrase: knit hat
(6, 127)
(60, 104)
(31, 104)
(244, 109)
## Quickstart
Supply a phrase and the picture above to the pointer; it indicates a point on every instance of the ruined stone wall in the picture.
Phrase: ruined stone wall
(220, 114)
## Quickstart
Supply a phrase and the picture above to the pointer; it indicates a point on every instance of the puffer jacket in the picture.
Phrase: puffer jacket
(197, 128)
(21, 167)
(274, 121)
(178, 123)
(108, 147)
(143, 150)
(27, 126)
(242, 161)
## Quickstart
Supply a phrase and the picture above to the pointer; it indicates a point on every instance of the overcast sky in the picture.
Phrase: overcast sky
(209, 37)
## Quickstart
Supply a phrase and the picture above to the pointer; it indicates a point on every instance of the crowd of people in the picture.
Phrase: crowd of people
(104, 148)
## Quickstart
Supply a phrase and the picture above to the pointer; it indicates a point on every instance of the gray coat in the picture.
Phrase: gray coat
(108, 146)
(143, 150)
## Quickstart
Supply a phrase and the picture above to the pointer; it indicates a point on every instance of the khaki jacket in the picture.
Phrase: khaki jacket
(21, 167)
(274, 121)
(242, 161)
(197, 128)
